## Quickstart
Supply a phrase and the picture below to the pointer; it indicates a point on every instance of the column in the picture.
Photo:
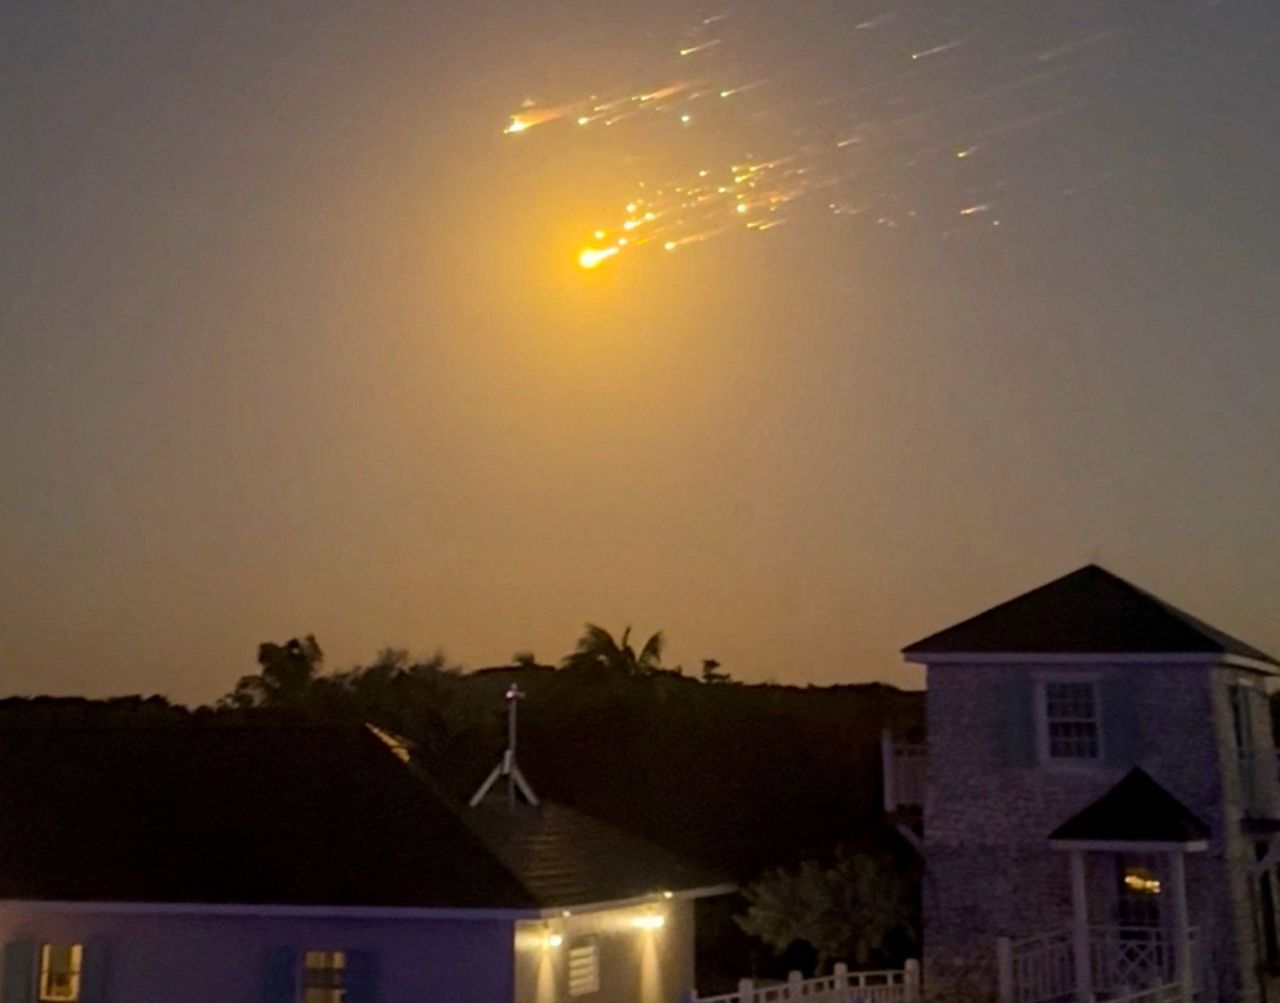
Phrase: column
(1080, 929)
(1183, 968)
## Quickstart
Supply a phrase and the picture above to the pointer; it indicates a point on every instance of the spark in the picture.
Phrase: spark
(593, 257)
(701, 47)
(529, 116)
(686, 118)
(662, 92)
(743, 88)
(714, 18)
(966, 153)
(1084, 43)
(974, 210)
(937, 50)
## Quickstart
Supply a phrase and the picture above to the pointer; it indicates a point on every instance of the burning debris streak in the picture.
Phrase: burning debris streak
(894, 147)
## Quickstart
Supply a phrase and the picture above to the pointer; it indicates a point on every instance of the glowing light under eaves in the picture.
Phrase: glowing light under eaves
(649, 922)
(592, 257)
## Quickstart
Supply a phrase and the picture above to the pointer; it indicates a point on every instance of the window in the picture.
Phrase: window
(1139, 899)
(584, 967)
(1242, 726)
(60, 971)
(324, 977)
(1071, 730)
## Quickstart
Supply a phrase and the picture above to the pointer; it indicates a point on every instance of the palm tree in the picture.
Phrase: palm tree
(597, 650)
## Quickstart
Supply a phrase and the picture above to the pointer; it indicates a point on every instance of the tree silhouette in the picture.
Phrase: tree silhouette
(287, 673)
(598, 651)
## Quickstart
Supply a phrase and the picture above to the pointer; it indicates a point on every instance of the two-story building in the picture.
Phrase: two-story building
(1101, 802)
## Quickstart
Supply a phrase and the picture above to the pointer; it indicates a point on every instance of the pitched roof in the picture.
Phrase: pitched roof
(1135, 810)
(299, 815)
(565, 857)
(1088, 611)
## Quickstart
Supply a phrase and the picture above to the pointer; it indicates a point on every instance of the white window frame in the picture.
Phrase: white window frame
(43, 970)
(1042, 683)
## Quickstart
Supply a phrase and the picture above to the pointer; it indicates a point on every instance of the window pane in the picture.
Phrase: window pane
(60, 972)
(324, 976)
(1071, 720)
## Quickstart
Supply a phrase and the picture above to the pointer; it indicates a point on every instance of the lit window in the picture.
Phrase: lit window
(324, 977)
(584, 967)
(60, 971)
(1071, 720)
(1139, 901)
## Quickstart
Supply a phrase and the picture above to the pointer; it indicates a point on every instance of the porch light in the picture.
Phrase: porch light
(650, 921)
(1142, 881)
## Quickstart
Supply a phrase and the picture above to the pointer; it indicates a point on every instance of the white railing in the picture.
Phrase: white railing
(902, 767)
(1037, 969)
(1124, 962)
(1124, 959)
(842, 986)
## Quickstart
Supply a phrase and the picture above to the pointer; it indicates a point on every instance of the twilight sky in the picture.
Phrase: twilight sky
(293, 337)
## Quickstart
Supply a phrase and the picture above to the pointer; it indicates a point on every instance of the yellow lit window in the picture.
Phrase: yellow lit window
(1141, 881)
(324, 977)
(60, 972)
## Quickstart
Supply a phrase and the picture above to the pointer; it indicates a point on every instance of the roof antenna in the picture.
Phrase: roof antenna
(506, 766)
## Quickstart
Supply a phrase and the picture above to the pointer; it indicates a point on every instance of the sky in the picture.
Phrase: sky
(899, 308)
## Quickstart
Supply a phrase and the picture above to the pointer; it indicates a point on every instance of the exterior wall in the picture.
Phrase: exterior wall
(636, 965)
(989, 810)
(211, 959)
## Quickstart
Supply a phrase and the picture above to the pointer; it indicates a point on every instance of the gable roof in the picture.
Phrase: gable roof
(566, 857)
(271, 815)
(1088, 611)
(1135, 810)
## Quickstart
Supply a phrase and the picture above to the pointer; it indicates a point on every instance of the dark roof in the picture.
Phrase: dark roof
(1088, 611)
(306, 815)
(1135, 810)
(565, 857)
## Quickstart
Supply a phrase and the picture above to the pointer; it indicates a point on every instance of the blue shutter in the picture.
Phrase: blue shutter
(1019, 721)
(19, 971)
(1121, 724)
(280, 978)
(362, 977)
(93, 972)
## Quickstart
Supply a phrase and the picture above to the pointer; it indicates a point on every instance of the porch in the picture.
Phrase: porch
(1124, 963)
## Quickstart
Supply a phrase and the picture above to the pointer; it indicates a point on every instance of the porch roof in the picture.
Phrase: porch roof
(1136, 811)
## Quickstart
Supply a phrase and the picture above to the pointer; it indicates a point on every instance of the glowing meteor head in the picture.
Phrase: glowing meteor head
(517, 125)
(591, 257)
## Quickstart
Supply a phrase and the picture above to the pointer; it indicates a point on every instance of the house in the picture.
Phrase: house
(208, 863)
(1100, 806)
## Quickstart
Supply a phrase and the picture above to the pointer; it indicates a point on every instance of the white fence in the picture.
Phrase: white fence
(1125, 963)
(842, 986)
(1037, 969)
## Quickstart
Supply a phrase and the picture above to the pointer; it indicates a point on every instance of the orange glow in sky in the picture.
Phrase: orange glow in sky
(591, 257)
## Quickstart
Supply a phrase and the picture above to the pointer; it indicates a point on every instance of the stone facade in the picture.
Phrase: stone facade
(991, 804)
